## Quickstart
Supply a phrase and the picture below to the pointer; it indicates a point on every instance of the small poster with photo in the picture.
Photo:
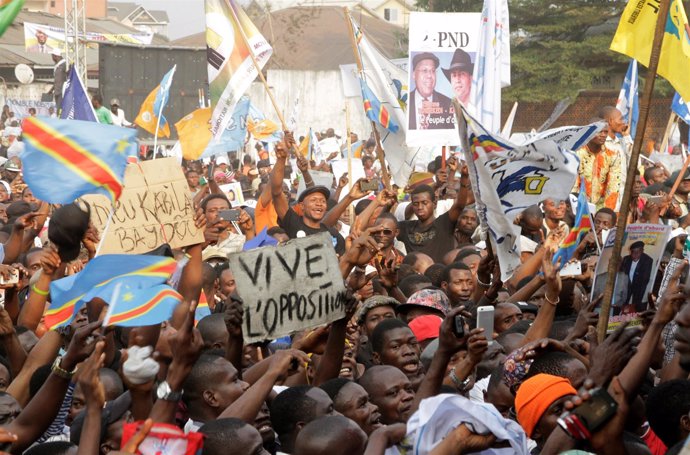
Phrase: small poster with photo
(643, 248)
(443, 48)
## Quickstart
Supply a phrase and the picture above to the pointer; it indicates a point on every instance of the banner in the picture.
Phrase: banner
(21, 108)
(643, 247)
(507, 178)
(442, 51)
(230, 67)
(289, 288)
(76, 104)
(46, 38)
(155, 208)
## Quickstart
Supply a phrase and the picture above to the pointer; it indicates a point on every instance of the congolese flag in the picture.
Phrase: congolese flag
(635, 34)
(99, 279)
(151, 112)
(375, 110)
(582, 225)
(8, 11)
(65, 159)
(202, 309)
(230, 67)
(135, 307)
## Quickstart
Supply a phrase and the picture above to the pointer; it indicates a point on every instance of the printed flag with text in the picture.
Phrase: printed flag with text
(8, 11)
(151, 112)
(635, 34)
(135, 307)
(99, 279)
(492, 64)
(629, 99)
(194, 133)
(230, 67)
(507, 178)
(388, 83)
(65, 159)
(235, 134)
(76, 104)
(582, 225)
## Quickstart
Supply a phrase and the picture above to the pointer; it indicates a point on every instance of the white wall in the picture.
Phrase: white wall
(31, 91)
(322, 103)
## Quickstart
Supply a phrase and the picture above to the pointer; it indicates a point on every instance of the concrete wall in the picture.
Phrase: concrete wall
(32, 91)
(322, 103)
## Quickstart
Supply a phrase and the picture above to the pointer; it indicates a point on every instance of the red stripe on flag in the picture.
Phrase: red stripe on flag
(143, 309)
(78, 158)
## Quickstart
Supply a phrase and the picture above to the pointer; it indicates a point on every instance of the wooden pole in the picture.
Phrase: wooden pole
(379, 147)
(258, 69)
(667, 132)
(615, 260)
(443, 157)
(350, 177)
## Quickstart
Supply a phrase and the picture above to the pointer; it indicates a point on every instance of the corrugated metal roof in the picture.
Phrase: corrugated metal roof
(316, 38)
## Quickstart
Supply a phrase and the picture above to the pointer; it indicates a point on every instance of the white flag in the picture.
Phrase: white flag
(507, 178)
(230, 67)
(492, 66)
(388, 82)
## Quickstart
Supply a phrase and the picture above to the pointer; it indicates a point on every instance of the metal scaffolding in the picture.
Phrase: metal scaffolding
(75, 31)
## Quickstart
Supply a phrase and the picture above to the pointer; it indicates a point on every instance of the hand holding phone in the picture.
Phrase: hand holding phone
(485, 320)
(591, 415)
(229, 215)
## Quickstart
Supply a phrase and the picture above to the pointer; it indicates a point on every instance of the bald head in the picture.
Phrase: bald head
(334, 435)
(213, 331)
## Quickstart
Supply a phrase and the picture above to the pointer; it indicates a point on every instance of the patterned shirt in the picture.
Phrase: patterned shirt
(602, 175)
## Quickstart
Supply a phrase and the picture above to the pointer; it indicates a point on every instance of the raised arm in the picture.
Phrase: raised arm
(280, 203)
(334, 214)
(541, 326)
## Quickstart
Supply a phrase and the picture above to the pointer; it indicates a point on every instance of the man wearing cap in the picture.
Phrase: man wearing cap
(313, 201)
(118, 115)
(637, 266)
(428, 108)
(459, 74)
(59, 77)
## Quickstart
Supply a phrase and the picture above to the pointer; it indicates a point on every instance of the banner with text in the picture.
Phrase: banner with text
(289, 288)
(442, 52)
(45, 38)
(155, 208)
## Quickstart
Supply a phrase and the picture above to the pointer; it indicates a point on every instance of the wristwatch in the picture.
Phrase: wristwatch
(60, 372)
(165, 392)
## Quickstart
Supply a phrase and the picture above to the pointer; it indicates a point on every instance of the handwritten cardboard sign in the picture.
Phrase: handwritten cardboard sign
(155, 208)
(289, 288)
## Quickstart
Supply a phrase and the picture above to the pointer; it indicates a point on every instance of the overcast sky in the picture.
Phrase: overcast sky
(186, 16)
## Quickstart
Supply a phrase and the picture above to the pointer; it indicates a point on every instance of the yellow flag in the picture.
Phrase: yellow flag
(636, 32)
(147, 117)
(194, 132)
(304, 146)
(263, 129)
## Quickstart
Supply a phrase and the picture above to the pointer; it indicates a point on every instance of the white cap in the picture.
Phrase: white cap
(222, 160)
(56, 52)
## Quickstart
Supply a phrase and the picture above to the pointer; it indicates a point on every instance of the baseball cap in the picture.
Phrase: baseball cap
(426, 327)
(434, 299)
(315, 189)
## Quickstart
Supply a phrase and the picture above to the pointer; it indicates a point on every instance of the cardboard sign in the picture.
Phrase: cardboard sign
(289, 288)
(155, 208)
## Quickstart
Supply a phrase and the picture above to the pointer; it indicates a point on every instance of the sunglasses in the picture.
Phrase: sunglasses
(386, 232)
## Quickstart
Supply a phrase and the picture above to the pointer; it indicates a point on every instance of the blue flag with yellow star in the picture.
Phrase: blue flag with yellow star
(65, 159)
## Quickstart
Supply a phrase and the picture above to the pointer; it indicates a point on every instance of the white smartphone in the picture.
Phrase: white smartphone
(14, 278)
(572, 268)
(485, 320)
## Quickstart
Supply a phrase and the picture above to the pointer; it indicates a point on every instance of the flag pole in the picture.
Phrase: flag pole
(258, 69)
(158, 124)
(349, 160)
(667, 132)
(379, 148)
(645, 102)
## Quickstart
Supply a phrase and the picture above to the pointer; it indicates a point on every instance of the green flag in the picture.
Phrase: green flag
(8, 11)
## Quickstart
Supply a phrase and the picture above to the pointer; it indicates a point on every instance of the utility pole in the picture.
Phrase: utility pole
(75, 34)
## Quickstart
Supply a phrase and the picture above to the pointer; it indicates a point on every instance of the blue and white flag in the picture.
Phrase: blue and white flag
(507, 178)
(492, 65)
(76, 104)
(235, 134)
(682, 110)
(628, 98)
(163, 95)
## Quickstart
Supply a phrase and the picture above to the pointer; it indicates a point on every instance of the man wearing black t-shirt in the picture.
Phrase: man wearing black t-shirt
(313, 202)
(428, 234)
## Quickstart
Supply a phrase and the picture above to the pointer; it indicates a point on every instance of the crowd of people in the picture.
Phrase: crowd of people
(421, 279)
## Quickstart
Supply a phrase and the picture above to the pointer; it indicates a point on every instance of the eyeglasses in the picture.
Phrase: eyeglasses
(386, 232)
